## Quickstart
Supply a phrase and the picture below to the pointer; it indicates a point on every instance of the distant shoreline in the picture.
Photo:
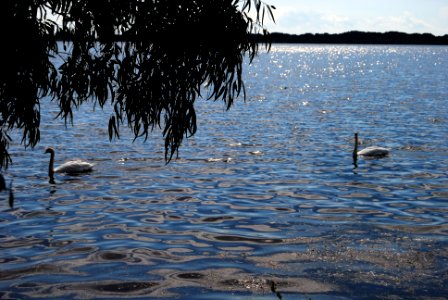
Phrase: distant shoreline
(356, 37)
(350, 37)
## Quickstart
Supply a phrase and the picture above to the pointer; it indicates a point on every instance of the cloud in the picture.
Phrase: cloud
(290, 20)
(310, 22)
(442, 21)
(444, 12)
(406, 22)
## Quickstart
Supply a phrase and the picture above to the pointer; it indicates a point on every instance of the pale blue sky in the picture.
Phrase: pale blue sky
(336, 16)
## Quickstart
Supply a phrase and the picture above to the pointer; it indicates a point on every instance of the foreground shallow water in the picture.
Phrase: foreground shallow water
(264, 202)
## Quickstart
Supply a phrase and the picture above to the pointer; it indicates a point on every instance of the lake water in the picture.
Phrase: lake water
(264, 202)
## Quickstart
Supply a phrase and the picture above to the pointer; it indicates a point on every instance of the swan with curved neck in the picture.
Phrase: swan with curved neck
(372, 151)
(69, 167)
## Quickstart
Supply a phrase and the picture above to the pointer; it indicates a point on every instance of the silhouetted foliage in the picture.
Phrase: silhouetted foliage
(2, 183)
(4, 188)
(148, 59)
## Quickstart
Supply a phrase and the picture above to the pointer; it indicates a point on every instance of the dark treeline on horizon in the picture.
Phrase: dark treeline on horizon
(351, 37)
(358, 37)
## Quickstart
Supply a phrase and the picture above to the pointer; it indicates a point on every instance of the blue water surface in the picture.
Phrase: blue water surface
(264, 202)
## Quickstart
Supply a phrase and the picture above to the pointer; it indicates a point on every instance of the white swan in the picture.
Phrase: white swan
(69, 167)
(372, 151)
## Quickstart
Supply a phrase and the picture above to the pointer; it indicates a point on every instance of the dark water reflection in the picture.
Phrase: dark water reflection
(265, 192)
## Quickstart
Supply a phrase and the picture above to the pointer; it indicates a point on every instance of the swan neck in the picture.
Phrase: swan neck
(355, 151)
(50, 167)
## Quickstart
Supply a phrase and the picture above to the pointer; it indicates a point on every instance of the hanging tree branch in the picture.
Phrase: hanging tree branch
(148, 59)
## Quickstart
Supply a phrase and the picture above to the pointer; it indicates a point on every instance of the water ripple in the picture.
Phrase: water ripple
(265, 196)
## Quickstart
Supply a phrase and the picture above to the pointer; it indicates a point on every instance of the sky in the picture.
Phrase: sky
(336, 16)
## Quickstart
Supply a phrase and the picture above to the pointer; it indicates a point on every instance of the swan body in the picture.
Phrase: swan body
(69, 167)
(74, 166)
(372, 151)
